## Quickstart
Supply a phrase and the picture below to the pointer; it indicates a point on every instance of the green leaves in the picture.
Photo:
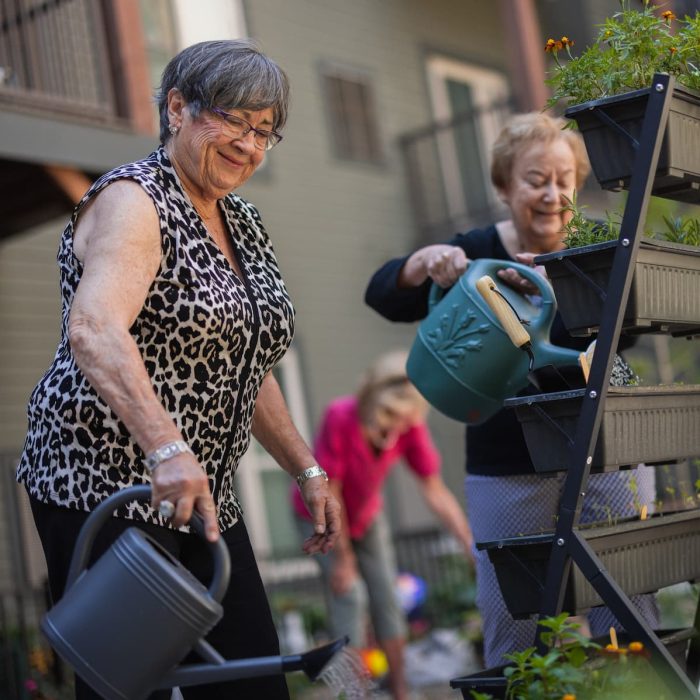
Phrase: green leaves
(575, 667)
(630, 47)
(581, 231)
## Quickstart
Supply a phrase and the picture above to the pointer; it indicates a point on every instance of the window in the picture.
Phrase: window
(352, 116)
(263, 486)
(475, 101)
(171, 25)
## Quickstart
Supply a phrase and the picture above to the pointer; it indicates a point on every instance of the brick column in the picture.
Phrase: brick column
(525, 50)
(131, 64)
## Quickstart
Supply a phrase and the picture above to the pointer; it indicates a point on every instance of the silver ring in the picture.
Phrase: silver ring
(166, 509)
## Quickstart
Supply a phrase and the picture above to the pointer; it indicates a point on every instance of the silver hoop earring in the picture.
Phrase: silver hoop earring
(173, 130)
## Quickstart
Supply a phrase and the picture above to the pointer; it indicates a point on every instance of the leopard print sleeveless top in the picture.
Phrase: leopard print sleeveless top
(207, 338)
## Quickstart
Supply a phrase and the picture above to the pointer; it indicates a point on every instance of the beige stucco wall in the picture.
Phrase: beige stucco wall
(333, 222)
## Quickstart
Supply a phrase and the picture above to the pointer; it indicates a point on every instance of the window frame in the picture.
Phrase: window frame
(374, 150)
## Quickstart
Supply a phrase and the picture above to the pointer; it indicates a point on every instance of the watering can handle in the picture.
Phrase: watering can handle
(99, 516)
(503, 311)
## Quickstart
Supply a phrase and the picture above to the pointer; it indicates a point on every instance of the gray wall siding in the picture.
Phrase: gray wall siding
(333, 222)
(30, 321)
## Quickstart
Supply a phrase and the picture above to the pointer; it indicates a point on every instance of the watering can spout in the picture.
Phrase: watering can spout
(312, 663)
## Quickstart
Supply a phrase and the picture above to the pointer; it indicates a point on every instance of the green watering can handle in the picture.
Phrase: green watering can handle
(97, 518)
(545, 352)
(489, 266)
(549, 306)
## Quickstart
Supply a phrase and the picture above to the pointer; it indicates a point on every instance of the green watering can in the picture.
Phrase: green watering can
(481, 344)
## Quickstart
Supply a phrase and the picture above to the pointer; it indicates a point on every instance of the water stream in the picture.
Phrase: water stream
(347, 677)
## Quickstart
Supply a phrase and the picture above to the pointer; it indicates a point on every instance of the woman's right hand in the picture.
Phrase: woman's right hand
(182, 481)
(444, 264)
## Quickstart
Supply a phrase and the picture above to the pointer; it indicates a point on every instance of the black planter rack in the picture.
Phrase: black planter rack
(601, 566)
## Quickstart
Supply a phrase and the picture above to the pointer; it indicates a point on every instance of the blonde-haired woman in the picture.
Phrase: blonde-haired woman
(360, 439)
(536, 167)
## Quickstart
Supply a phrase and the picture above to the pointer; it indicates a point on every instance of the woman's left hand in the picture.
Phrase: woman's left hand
(325, 515)
(515, 280)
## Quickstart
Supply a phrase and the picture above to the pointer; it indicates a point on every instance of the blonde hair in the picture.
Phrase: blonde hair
(386, 384)
(524, 130)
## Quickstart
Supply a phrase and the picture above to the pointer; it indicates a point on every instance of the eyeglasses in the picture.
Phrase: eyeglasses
(237, 128)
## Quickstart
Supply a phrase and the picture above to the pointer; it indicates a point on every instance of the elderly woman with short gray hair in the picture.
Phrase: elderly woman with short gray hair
(174, 314)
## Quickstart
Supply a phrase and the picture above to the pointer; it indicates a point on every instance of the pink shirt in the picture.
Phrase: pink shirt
(343, 452)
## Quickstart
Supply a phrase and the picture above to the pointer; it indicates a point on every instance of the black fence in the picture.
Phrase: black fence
(433, 562)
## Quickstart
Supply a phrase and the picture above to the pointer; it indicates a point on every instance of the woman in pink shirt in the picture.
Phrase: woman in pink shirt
(360, 439)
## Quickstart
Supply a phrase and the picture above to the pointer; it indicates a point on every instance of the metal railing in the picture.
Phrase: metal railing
(54, 55)
(447, 166)
(431, 555)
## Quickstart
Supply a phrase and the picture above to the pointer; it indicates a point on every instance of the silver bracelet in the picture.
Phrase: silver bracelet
(310, 473)
(167, 451)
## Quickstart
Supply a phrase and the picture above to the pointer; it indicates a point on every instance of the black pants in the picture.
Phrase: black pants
(246, 629)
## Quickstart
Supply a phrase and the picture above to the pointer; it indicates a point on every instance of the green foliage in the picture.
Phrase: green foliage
(630, 47)
(575, 668)
(581, 231)
(682, 230)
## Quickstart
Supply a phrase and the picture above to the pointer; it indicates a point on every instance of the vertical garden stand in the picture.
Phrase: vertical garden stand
(569, 544)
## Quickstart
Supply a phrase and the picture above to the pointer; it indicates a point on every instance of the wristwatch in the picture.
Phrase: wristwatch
(310, 473)
(170, 449)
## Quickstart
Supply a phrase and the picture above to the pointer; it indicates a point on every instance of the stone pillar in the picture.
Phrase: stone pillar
(525, 51)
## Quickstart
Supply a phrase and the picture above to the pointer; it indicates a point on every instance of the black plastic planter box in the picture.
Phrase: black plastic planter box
(654, 425)
(642, 556)
(664, 296)
(612, 153)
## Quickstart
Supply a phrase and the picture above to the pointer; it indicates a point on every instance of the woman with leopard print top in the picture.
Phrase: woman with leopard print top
(174, 313)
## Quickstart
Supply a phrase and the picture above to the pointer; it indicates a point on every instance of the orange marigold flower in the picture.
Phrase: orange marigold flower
(668, 15)
(673, 50)
(559, 46)
(638, 649)
(566, 41)
(550, 45)
(568, 696)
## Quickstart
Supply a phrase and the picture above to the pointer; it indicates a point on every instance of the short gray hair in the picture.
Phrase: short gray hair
(230, 74)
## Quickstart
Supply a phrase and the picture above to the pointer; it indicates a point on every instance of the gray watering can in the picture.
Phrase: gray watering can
(481, 343)
(126, 622)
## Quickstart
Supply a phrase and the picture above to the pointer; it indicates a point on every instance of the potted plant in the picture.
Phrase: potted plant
(572, 668)
(665, 291)
(607, 89)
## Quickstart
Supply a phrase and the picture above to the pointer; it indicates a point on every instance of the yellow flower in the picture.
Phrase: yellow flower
(565, 41)
(667, 16)
(550, 45)
(636, 647)
(568, 696)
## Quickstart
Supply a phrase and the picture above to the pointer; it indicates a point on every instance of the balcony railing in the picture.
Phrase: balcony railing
(55, 56)
(447, 166)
